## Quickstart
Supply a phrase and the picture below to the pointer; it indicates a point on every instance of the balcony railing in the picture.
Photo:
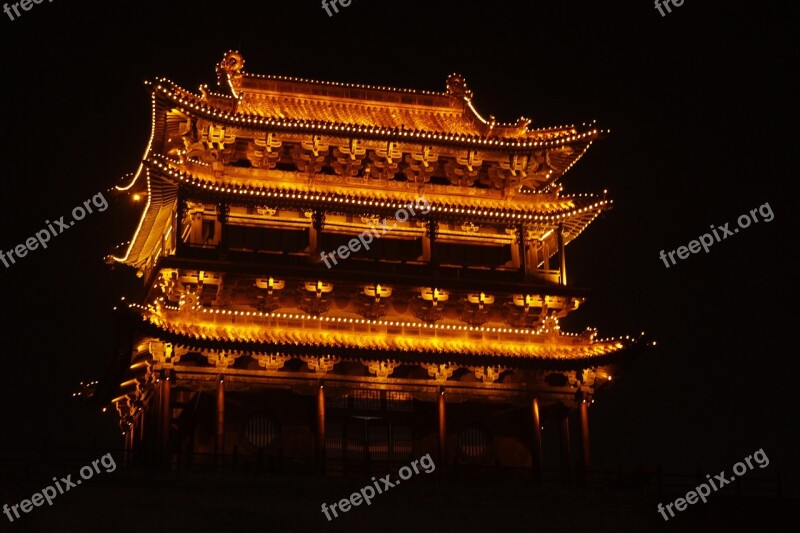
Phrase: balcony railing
(553, 276)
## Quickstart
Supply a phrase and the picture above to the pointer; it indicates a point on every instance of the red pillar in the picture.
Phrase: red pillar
(566, 456)
(127, 439)
(584, 411)
(321, 427)
(141, 425)
(536, 452)
(442, 429)
(166, 419)
(219, 445)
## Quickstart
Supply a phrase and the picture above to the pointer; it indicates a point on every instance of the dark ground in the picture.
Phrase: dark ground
(291, 504)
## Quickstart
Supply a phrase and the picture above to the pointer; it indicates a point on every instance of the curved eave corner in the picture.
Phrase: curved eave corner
(153, 225)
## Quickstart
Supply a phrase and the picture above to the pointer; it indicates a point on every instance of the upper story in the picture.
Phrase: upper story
(283, 170)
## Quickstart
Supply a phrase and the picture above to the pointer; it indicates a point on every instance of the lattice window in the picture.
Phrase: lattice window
(355, 441)
(337, 403)
(367, 399)
(401, 442)
(378, 441)
(399, 401)
(334, 443)
(261, 431)
(474, 442)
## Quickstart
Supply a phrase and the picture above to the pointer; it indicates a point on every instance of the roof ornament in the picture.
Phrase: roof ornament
(229, 71)
(521, 126)
(457, 86)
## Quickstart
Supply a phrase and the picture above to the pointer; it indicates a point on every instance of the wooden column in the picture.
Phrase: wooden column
(584, 412)
(344, 446)
(566, 456)
(321, 427)
(141, 448)
(520, 248)
(442, 429)
(532, 251)
(140, 424)
(196, 236)
(179, 228)
(166, 419)
(314, 235)
(132, 442)
(219, 444)
(429, 242)
(562, 258)
(127, 442)
(313, 246)
(223, 214)
(545, 256)
(155, 425)
(536, 451)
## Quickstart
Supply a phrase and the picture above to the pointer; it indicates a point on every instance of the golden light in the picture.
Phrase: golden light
(434, 295)
(481, 298)
(377, 291)
(246, 314)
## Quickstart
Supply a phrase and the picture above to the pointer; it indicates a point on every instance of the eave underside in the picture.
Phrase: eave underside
(575, 213)
(384, 342)
(156, 220)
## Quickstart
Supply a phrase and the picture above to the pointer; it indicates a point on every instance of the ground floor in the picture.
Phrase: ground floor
(344, 428)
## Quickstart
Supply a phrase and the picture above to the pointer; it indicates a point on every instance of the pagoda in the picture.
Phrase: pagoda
(249, 346)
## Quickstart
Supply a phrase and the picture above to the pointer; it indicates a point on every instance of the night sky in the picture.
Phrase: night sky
(702, 108)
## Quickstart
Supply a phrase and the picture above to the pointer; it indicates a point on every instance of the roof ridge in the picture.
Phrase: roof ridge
(349, 85)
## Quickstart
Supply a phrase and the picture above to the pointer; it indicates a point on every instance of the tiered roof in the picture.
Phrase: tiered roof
(419, 115)
(357, 338)
(447, 120)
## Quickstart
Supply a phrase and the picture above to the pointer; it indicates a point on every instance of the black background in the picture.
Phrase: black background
(702, 107)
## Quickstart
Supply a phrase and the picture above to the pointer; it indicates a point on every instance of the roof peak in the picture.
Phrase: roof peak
(230, 70)
(456, 98)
